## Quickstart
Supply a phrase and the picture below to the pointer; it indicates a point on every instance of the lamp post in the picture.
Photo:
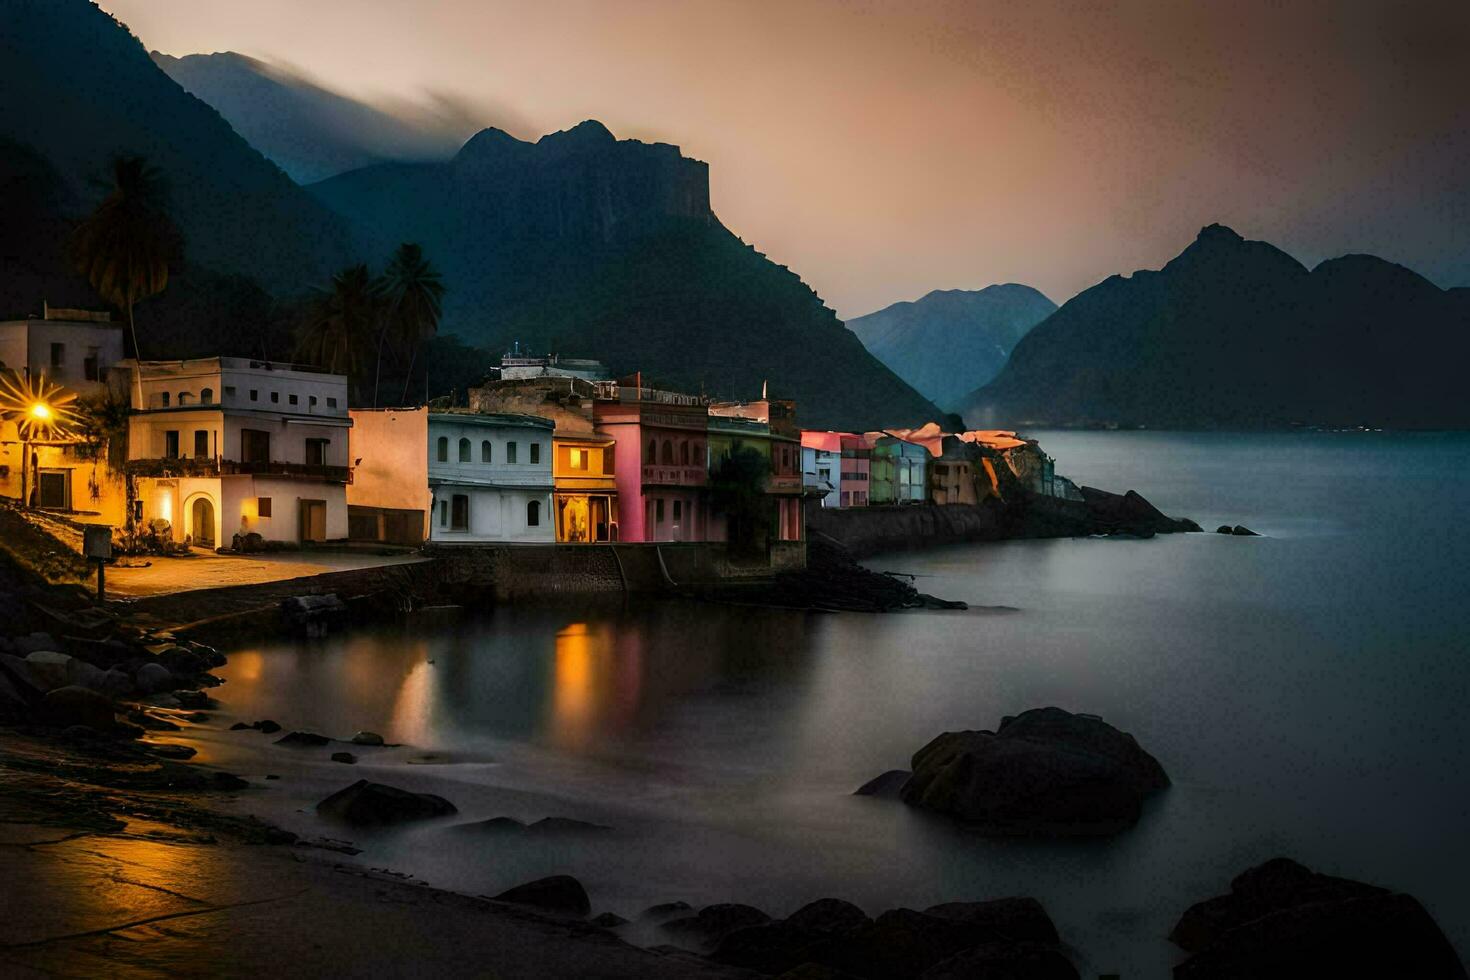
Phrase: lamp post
(39, 409)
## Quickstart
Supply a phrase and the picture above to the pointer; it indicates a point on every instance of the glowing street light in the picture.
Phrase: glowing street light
(40, 410)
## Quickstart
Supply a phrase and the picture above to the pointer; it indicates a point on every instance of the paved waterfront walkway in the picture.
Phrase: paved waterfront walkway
(205, 570)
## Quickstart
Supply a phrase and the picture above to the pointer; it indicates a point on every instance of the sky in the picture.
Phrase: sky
(882, 150)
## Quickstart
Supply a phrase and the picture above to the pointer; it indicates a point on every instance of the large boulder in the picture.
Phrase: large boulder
(888, 786)
(153, 678)
(1130, 513)
(67, 706)
(829, 916)
(1044, 772)
(558, 893)
(1283, 920)
(714, 922)
(375, 804)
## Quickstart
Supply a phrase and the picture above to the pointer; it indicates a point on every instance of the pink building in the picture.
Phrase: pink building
(840, 461)
(660, 459)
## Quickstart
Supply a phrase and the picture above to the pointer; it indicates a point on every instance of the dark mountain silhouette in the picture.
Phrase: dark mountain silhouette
(1235, 333)
(601, 247)
(952, 341)
(82, 89)
(309, 131)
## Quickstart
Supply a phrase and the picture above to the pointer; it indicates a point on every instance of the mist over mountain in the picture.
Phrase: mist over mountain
(952, 340)
(1236, 333)
(310, 131)
(594, 246)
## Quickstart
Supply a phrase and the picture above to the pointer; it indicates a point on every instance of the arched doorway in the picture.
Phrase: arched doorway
(201, 522)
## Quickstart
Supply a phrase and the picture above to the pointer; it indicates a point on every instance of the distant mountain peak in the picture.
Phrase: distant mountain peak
(589, 132)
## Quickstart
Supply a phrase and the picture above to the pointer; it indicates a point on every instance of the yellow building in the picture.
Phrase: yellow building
(586, 491)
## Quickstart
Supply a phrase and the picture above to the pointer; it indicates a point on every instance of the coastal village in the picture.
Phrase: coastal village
(237, 455)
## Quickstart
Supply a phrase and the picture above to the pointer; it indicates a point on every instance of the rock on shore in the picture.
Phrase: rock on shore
(1282, 920)
(368, 804)
(1045, 772)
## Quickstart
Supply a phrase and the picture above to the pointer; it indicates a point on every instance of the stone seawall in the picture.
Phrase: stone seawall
(866, 530)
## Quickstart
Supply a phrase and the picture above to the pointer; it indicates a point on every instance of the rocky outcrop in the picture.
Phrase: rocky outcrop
(888, 786)
(1282, 920)
(559, 893)
(1045, 772)
(366, 804)
(714, 922)
(1130, 513)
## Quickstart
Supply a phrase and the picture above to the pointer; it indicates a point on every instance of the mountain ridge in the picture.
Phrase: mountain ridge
(949, 341)
(1238, 334)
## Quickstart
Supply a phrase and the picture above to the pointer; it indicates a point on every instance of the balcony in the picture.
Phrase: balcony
(205, 466)
(674, 476)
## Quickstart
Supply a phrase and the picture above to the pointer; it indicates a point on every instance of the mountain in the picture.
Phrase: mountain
(309, 131)
(1235, 333)
(81, 89)
(594, 246)
(953, 340)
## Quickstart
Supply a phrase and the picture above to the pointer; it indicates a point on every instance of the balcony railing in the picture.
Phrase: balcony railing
(205, 466)
(675, 476)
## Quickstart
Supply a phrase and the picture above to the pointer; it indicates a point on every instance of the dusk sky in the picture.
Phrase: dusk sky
(883, 150)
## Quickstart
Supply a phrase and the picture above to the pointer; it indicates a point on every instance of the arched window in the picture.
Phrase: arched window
(443, 454)
(684, 452)
(183, 398)
(206, 396)
(652, 451)
(533, 513)
(464, 450)
(165, 399)
(668, 453)
(485, 450)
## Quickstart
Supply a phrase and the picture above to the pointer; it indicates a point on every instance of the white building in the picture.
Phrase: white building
(72, 348)
(229, 445)
(490, 476)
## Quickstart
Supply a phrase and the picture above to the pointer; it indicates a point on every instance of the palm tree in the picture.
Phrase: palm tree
(126, 246)
(413, 290)
(341, 321)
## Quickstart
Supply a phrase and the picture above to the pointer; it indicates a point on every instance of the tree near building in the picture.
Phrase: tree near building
(414, 292)
(341, 322)
(738, 490)
(127, 246)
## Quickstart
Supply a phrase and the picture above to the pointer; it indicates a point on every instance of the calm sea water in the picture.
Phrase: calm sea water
(1308, 692)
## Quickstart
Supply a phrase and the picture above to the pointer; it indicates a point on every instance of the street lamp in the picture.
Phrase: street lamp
(40, 410)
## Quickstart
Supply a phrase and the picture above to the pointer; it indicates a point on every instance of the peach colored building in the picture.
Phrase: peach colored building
(388, 498)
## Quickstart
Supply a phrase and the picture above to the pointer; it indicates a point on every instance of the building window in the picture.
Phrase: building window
(91, 365)
(510, 453)
(658, 511)
(683, 454)
(535, 452)
(460, 513)
(443, 513)
(464, 450)
(485, 453)
(316, 452)
(255, 394)
(201, 443)
(58, 356)
(652, 451)
(229, 391)
(262, 506)
(678, 512)
(183, 398)
(276, 397)
(442, 452)
(311, 401)
(668, 453)
(165, 399)
(206, 396)
(533, 513)
(171, 444)
(331, 403)
(53, 489)
(577, 459)
(293, 399)
(255, 446)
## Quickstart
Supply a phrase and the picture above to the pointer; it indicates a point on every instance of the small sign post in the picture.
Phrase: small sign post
(97, 545)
